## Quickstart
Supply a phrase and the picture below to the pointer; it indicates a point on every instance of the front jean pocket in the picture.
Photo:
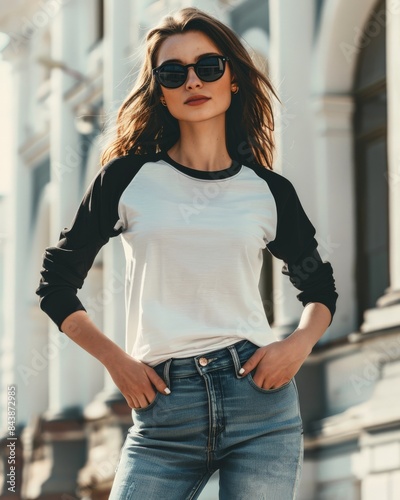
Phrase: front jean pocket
(149, 406)
(265, 391)
(159, 370)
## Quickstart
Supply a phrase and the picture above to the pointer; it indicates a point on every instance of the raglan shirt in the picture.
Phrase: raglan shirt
(193, 242)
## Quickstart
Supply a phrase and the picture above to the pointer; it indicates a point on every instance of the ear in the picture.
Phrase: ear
(234, 88)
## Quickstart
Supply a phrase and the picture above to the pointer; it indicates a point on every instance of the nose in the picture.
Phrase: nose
(193, 80)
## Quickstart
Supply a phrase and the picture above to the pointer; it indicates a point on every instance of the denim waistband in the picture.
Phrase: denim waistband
(233, 355)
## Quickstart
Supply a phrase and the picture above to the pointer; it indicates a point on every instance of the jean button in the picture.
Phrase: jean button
(203, 361)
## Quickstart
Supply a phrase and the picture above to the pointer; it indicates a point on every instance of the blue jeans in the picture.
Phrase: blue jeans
(214, 419)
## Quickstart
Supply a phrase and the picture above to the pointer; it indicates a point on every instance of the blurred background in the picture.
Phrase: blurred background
(65, 67)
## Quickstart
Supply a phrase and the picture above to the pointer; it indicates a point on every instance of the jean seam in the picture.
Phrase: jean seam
(298, 469)
(201, 481)
(298, 404)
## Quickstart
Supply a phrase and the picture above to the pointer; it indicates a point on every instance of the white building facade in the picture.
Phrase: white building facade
(335, 65)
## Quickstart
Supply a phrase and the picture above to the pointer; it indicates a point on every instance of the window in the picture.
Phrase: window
(100, 19)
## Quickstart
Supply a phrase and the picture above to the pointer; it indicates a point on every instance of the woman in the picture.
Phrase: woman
(188, 184)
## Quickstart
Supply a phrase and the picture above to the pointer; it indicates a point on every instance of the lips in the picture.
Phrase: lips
(197, 98)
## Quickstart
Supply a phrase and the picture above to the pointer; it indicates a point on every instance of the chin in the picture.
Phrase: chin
(195, 114)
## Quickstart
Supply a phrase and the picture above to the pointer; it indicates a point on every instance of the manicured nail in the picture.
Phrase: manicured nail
(167, 391)
(241, 371)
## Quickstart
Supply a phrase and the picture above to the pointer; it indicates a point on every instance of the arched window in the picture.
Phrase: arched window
(370, 135)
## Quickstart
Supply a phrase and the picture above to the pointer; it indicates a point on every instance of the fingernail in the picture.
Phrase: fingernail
(167, 391)
(241, 371)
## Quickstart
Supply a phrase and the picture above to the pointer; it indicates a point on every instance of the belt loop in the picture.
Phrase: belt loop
(236, 360)
(166, 372)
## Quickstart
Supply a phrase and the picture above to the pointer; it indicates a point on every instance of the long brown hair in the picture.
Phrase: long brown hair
(145, 126)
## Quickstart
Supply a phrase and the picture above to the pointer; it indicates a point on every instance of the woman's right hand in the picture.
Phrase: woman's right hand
(136, 380)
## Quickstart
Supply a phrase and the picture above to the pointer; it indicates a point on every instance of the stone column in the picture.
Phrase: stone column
(387, 313)
(17, 231)
(13, 350)
(334, 184)
(393, 84)
(291, 28)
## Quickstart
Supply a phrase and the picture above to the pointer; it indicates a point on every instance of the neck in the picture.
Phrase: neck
(202, 145)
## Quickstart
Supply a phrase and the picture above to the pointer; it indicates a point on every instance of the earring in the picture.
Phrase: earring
(162, 99)
(235, 89)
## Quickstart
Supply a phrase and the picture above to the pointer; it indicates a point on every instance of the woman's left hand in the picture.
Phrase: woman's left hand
(277, 363)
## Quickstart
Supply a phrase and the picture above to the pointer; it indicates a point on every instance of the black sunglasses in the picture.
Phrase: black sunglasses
(208, 69)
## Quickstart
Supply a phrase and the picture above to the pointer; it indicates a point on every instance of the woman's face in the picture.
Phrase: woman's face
(187, 48)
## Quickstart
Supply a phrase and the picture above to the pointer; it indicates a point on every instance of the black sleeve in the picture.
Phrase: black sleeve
(66, 265)
(296, 245)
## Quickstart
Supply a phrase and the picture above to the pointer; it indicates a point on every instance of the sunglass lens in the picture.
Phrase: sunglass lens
(210, 69)
(172, 75)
